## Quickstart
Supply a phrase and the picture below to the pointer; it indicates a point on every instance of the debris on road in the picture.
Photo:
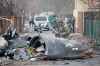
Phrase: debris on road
(3, 42)
(21, 54)
(87, 44)
(33, 59)
(47, 47)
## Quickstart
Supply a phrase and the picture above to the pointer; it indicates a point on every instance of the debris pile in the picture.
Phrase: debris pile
(87, 44)
(3, 43)
(41, 47)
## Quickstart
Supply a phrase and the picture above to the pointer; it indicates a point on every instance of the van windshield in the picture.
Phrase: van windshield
(41, 19)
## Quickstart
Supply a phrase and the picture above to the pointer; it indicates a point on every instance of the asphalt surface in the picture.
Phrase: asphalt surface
(78, 62)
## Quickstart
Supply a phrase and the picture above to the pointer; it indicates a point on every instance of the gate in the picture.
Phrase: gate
(92, 26)
(97, 29)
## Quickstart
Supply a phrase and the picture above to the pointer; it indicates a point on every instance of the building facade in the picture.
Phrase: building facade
(87, 15)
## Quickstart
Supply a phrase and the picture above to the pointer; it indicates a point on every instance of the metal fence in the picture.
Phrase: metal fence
(5, 23)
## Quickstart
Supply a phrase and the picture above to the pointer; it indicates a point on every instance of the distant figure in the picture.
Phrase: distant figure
(11, 33)
(31, 23)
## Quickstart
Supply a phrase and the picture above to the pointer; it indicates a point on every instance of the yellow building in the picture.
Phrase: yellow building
(84, 8)
(87, 15)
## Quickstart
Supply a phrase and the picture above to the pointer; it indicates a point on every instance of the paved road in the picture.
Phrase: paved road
(78, 62)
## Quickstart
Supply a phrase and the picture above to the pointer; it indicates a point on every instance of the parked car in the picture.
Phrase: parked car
(67, 48)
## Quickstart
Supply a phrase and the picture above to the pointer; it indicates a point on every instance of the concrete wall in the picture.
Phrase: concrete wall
(81, 5)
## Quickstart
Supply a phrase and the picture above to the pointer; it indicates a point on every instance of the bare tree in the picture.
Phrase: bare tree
(10, 8)
(6, 8)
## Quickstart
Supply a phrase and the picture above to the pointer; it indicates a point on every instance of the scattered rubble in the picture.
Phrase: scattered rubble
(86, 44)
(3, 42)
(21, 54)
(39, 48)
(33, 59)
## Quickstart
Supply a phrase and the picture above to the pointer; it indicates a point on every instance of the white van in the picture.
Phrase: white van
(41, 22)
